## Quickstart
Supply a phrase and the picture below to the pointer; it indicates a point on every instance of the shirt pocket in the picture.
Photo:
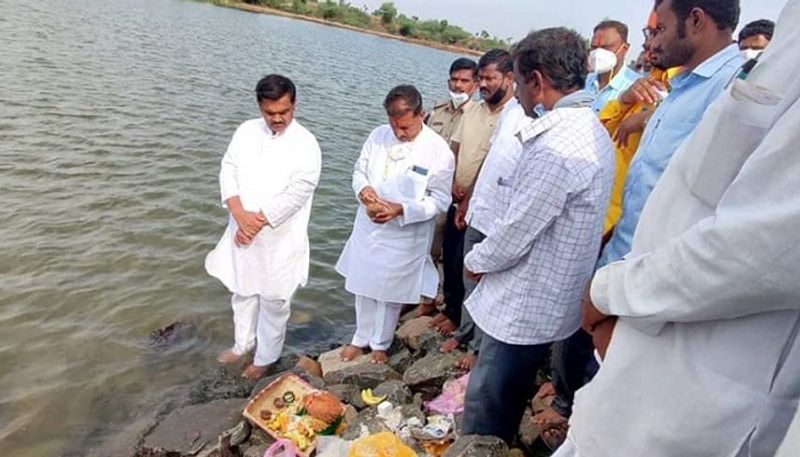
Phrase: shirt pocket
(504, 193)
(744, 113)
(418, 178)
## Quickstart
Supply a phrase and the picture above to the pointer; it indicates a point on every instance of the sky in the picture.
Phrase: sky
(515, 18)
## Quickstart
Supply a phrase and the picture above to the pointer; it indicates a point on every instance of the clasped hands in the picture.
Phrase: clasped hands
(250, 224)
(379, 211)
(596, 324)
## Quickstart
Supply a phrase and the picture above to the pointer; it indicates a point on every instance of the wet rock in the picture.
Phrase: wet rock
(396, 392)
(314, 381)
(310, 365)
(220, 384)
(192, 429)
(411, 331)
(348, 394)
(477, 446)
(255, 451)
(239, 434)
(432, 371)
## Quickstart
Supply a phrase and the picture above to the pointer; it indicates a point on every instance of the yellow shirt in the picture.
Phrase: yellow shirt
(473, 134)
(611, 116)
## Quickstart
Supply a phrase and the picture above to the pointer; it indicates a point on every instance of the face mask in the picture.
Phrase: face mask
(750, 54)
(602, 61)
(459, 98)
(539, 111)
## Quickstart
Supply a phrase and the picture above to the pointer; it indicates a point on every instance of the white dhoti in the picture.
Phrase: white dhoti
(260, 324)
(376, 322)
(567, 449)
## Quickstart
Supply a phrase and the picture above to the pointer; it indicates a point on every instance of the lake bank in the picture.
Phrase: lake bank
(276, 12)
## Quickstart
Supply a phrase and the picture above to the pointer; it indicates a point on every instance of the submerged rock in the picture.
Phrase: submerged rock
(171, 335)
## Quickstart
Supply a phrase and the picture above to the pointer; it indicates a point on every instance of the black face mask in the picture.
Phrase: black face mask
(497, 97)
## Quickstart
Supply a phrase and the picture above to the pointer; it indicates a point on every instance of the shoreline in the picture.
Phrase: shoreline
(276, 12)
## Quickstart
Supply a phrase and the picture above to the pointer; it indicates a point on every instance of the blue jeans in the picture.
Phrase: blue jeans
(468, 333)
(500, 385)
(572, 365)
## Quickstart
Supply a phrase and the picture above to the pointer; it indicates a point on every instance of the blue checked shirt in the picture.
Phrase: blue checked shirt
(540, 254)
(672, 122)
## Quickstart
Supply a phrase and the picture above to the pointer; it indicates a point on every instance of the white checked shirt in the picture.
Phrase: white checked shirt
(542, 251)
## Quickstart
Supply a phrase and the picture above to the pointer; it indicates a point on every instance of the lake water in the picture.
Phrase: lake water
(114, 116)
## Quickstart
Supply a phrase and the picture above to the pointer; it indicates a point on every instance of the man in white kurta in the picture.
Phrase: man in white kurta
(704, 359)
(267, 180)
(402, 180)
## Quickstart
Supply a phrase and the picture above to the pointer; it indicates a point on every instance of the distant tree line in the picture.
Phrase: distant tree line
(387, 19)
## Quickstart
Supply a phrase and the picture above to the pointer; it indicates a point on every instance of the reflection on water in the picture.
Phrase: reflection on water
(114, 116)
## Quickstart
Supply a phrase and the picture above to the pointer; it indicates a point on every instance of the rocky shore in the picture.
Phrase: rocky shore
(208, 422)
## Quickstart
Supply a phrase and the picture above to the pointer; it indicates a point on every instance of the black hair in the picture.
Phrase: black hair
(760, 27)
(274, 87)
(558, 53)
(406, 94)
(724, 12)
(500, 57)
(464, 64)
(620, 27)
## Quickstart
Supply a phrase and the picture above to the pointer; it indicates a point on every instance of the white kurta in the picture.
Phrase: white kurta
(277, 175)
(705, 359)
(391, 262)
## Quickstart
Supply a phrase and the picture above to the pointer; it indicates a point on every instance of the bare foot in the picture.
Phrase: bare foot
(350, 352)
(449, 346)
(466, 362)
(426, 308)
(548, 419)
(379, 358)
(546, 390)
(437, 319)
(229, 357)
(555, 436)
(446, 327)
(254, 372)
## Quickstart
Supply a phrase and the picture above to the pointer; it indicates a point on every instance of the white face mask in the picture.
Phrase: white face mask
(602, 61)
(459, 98)
(750, 54)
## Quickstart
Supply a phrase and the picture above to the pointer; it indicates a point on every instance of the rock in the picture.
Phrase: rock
(314, 381)
(347, 394)
(172, 335)
(367, 418)
(239, 434)
(310, 365)
(192, 429)
(411, 331)
(409, 411)
(401, 360)
(255, 451)
(396, 392)
(359, 372)
(350, 414)
(432, 371)
(477, 446)
(528, 430)
(220, 384)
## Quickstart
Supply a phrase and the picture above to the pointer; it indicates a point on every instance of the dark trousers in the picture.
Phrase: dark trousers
(500, 386)
(453, 268)
(572, 365)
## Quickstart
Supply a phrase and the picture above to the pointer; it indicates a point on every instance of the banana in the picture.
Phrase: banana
(369, 398)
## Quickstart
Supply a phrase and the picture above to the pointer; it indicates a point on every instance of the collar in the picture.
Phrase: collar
(536, 127)
(713, 64)
(578, 99)
(271, 134)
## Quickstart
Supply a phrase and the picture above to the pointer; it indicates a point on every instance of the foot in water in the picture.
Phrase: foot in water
(466, 362)
(379, 358)
(350, 352)
(229, 357)
(254, 372)
(449, 346)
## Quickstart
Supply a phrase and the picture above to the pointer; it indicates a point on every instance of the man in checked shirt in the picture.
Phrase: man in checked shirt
(534, 265)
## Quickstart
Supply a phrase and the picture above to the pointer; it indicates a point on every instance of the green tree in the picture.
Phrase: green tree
(387, 12)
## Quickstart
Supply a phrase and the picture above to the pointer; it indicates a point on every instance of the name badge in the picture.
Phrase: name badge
(419, 170)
